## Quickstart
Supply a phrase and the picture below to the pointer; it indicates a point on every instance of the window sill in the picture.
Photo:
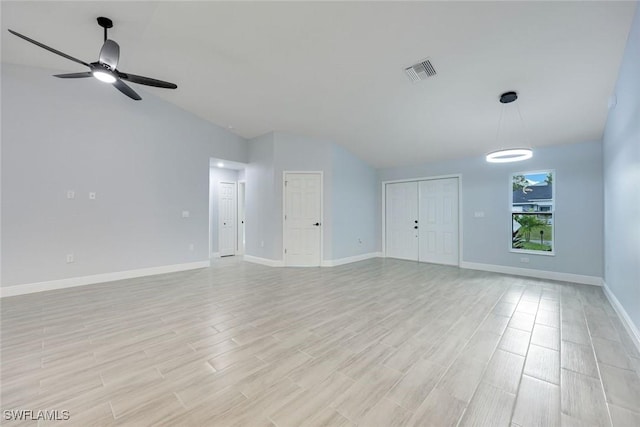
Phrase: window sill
(524, 251)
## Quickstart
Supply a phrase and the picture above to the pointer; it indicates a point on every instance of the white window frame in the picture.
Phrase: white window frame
(552, 211)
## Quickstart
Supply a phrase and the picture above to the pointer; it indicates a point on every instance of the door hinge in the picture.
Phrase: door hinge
(285, 217)
(285, 251)
(285, 183)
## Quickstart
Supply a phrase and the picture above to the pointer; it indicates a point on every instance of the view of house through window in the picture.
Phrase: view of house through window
(532, 207)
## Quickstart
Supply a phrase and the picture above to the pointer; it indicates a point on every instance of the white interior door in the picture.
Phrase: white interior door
(438, 207)
(303, 219)
(401, 220)
(227, 218)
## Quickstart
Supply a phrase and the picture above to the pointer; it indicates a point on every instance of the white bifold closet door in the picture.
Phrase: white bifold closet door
(438, 221)
(401, 220)
(421, 221)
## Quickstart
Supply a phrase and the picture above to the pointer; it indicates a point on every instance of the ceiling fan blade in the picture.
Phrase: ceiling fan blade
(110, 53)
(124, 88)
(50, 49)
(146, 81)
(74, 75)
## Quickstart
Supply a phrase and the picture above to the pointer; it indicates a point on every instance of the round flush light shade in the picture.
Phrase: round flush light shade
(509, 155)
(104, 76)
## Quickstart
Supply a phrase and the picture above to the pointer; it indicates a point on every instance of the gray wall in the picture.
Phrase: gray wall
(622, 182)
(355, 210)
(486, 188)
(272, 154)
(261, 211)
(147, 161)
(299, 153)
(217, 175)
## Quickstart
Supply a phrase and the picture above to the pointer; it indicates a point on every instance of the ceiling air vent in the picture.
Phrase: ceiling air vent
(420, 71)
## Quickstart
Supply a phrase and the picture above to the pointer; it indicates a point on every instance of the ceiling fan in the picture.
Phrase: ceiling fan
(105, 68)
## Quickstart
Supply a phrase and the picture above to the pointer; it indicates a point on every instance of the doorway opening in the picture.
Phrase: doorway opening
(227, 189)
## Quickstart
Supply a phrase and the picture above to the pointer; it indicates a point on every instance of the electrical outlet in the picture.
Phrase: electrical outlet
(524, 259)
(191, 247)
(185, 214)
(70, 258)
(262, 243)
(92, 195)
(478, 214)
(71, 194)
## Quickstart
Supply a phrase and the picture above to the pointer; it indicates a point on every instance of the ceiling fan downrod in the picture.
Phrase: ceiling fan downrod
(105, 23)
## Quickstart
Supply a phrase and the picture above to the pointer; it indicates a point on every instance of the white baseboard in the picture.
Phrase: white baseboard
(329, 263)
(538, 274)
(215, 255)
(263, 261)
(349, 260)
(29, 288)
(623, 315)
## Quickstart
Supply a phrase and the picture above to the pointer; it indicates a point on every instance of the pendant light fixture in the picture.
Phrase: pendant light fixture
(510, 154)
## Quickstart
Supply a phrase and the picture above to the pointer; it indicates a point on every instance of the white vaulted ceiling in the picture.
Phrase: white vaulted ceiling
(336, 69)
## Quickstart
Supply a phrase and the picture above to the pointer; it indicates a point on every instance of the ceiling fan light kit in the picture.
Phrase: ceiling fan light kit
(105, 68)
(104, 76)
(508, 155)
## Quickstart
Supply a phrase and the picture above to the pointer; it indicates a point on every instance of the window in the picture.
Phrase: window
(532, 208)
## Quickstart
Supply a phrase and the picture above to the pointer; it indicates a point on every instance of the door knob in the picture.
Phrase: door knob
(317, 224)
(415, 226)
(416, 221)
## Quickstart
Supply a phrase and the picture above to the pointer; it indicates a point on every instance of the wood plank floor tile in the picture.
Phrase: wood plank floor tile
(523, 321)
(504, 371)
(578, 358)
(327, 417)
(489, 406)
(538, 404)
(611, 353)
(621, 386)
(378, 342)
(515, 341)
(582, 398)
(387, 414)
(406, 355)
(416, 384)
(438, 410)
(462, 378)
(310, 402)
(365, 394)
(622, 417)
(543, 363)
(546, 336)
(481, 346)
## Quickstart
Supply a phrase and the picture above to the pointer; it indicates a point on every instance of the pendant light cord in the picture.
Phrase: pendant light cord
(524, 127)
(500, 124)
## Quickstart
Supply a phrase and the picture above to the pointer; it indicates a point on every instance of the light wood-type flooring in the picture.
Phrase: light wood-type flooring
(376, 343)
